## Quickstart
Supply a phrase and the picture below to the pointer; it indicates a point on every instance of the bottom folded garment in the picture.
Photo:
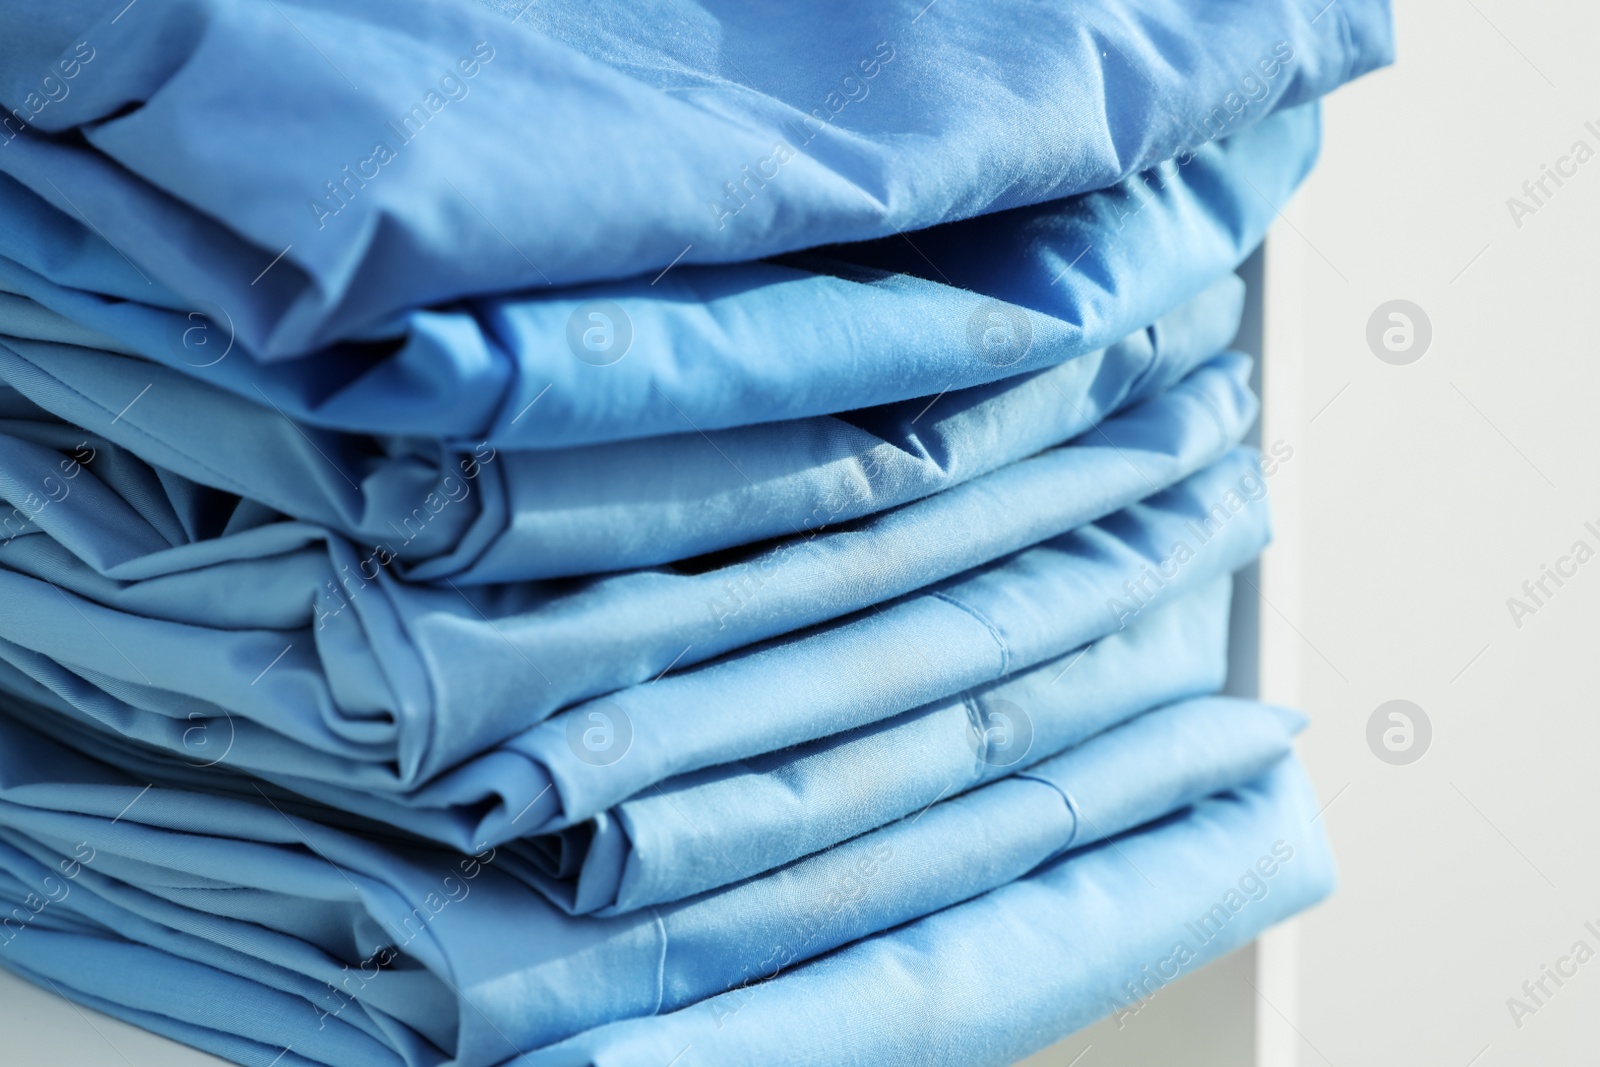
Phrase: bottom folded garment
(1094, 933)
(267, 938)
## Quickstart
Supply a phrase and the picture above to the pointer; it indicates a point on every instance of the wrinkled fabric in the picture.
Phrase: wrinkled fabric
(709, 828)
(703, 830)
(460, 771)
(230, 158)
(487, 516)
(713, 348)
(152, 562)
(470, 959)
(689, 534)
(1081, 938)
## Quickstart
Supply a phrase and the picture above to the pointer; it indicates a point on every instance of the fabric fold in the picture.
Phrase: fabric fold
(423, 512)
(1079, 939)
(709, 828)
(681, 534)
(715, 348)
(289, 720)
(358, 223)
(287, 899)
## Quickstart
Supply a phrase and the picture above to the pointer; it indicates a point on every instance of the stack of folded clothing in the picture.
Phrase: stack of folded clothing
(693, 534)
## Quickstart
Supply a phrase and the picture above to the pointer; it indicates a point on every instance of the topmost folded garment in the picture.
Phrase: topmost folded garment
(317, 170)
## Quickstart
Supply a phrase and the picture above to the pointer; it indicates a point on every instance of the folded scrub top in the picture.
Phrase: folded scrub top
(465, 960)
(159, 566)
(171, 545)
(708, 352)
(708, 348)
(1098, 929)
(707, 829)
(499, 516)
(732, 354)
(1091, 935)
(442, 755)
(713, 827)
(409, 176)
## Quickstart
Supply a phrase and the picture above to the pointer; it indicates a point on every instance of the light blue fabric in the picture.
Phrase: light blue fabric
(422, 512)
(559, 148)
(480, 961)
(718, 347)
(1082, 938)
(709, 828)
(703, 830)
(459, 770)
(968, 630)
(696, 533)
(153, 561)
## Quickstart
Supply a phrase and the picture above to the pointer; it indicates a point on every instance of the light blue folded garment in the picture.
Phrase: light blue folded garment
(969, 630)
(707, 829)
(716, 347)
(445, 958)
(435, 150)
(308, 656)
(1085, 937)
(422, 511)
(668, 535)
(458, 771)
(730, 346)
(733, 346)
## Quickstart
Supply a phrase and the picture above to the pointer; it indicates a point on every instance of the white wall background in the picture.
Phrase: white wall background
(1429, 493)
